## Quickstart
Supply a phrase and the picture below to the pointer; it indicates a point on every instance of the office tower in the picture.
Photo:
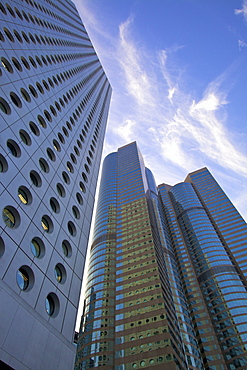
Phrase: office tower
(166, 281)
(54, 102)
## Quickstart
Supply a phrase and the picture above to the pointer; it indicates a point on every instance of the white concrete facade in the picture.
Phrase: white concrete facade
(54, 101)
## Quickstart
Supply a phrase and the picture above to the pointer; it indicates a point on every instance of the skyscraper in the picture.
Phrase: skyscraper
(166, 282)
(54, 102)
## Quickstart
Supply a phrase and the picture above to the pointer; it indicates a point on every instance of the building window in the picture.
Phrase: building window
(14, 148)
(3, 164)
(66, 247)
(37, 247)
(35, 178)
(2, 247)
(54, 205)
(60, 273)
(24, 195)
(52, 305)
(11, 217)
(25, 278)
(47, 224)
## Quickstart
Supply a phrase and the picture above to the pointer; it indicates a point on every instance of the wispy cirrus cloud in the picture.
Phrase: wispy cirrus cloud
(137, 80)
(243, 10)
(241, 44)
(185, 129)
(178, 130)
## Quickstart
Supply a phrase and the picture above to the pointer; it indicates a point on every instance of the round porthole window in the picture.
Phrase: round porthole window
(87, 168)
(61, 190)
(2, 247)
(25, 278)
(7, 65)
(66, 178)
(79, 198)
(3, 9)
(41, 121)
(66, 247)
(15, 99)
(40, 88)
(14, 148)
(82, 187)
(25, 95)
(32, 61)
(33, 91)
(54, 205)
(11, 217)
(73, 158)
(3, 164)
(37, 247)
(79, 144)
(48, 116)
(61, 138)
(34, 128)
(71, 228)
(25, 37)
(46, 85)
(44, 165)
(52, 305)
(53, 110)
(51, 154)
(69, 125)
(77, 152)
(56, 145)
(25, 138)
(76, 212)
(24, 195)
(84, 176)
(70, 167)
(25, 63)
(65, 131)
(4, 106)
(60, 273)
(36, 179)
(47, 224)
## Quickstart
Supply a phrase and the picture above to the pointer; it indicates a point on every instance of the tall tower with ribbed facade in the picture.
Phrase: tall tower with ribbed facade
(54, 102)
(165, 289)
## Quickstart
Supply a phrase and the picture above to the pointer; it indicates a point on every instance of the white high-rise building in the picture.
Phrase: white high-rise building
(54, 102)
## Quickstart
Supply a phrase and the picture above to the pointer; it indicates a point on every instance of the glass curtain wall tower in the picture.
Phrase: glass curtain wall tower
(54, 102)
(166, 283)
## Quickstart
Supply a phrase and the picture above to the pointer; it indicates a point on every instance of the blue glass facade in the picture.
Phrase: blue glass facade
(164, 289)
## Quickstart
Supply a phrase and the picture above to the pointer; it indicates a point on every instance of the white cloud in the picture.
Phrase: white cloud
(241, 44)
(243, 10)
(171, 92)
(125, 130)
(177, 131)
(212, 136)
(167, 120)
(137, 80)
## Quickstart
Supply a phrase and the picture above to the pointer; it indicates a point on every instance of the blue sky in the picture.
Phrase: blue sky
(178, 69)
